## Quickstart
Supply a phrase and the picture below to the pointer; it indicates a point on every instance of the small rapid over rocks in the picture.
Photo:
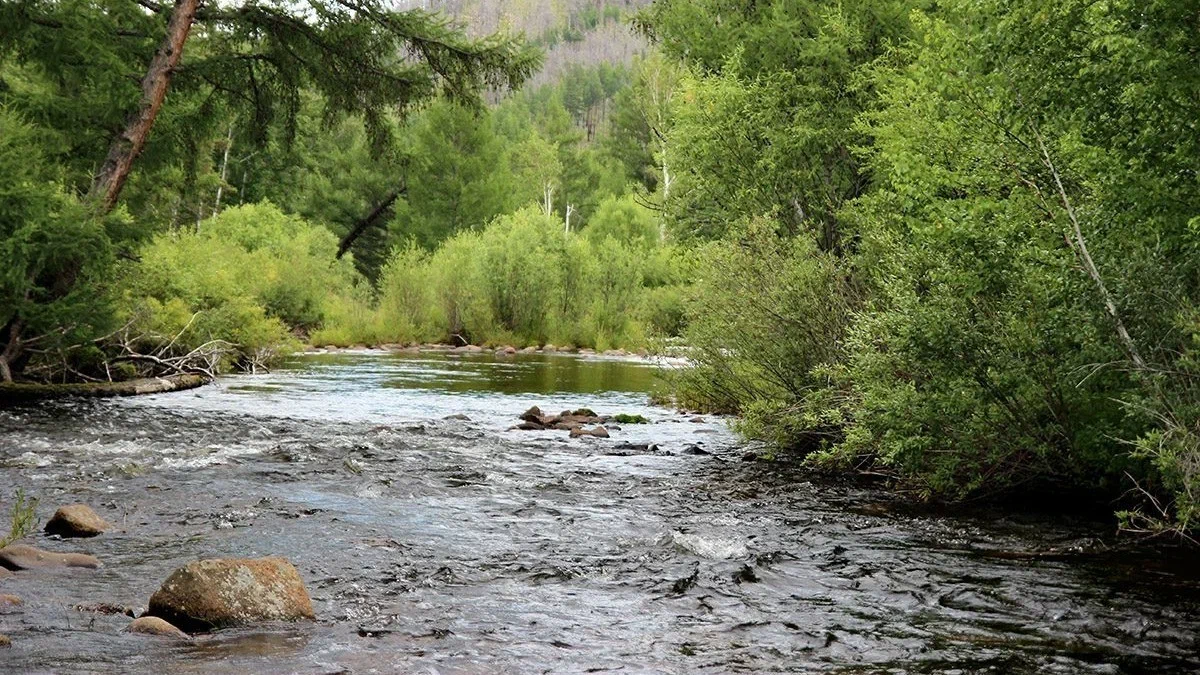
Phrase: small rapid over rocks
(433, 537)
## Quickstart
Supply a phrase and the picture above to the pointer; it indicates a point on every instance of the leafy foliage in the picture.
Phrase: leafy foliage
(249, 277)
(23, 518)
(521, 280)
(1003, 215)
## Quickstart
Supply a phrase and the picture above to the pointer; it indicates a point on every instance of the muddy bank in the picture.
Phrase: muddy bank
(25, 392)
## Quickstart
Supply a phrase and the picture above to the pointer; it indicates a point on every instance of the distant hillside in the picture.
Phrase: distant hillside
(584, 32)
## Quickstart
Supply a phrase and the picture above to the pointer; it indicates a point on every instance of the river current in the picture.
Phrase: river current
(435, 539)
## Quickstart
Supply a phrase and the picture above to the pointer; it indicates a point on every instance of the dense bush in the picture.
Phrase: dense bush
(1009, 301)
(251, 276)
(49, 240)
(525, 280)
(767, 328)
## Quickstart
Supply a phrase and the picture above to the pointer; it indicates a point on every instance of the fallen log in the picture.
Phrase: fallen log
(24, 391)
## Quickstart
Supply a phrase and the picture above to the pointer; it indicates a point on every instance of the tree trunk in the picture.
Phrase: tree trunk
(224, 168)
(371, 219)
(126, 147)
(12, 348)
(1081, 250)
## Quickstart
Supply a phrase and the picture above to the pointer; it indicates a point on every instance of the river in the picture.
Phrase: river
(436, 545)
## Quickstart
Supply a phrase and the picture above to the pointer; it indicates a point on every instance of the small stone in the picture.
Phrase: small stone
(10, 601)
(534, 414)
(510, 349)
(5, 642)
(598, 432)
(697, 420)
(152, 625)
(23, 557)
(695, 450)
(459, 417)
(750, 457)
(76, 520)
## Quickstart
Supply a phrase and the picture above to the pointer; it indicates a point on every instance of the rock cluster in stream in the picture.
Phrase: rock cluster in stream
(573, 422)
(200, 596)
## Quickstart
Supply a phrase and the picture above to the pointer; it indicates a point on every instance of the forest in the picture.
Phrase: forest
(950, 244)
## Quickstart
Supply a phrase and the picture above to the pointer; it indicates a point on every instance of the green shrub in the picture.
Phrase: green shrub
(23, 518)
(251, 276)
(522, 280)
(766, 326)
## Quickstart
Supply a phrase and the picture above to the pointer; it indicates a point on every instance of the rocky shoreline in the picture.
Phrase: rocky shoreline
(500, 350)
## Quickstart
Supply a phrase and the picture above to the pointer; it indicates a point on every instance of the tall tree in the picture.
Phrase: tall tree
(768, 124)
(254, 59)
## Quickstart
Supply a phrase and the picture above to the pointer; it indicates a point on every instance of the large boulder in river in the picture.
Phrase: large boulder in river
(217, 593)
(23, 557)
(76, 520)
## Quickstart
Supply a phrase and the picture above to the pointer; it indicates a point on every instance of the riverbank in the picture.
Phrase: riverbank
(30, 391)
(415, 348)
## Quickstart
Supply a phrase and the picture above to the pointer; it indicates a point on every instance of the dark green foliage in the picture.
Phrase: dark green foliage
(768, 127)
(987, 156)
(56, 255)
(73, 70)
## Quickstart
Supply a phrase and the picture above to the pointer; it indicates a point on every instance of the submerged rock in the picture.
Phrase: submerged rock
(5, 642)
(76, 520)
(10, 601)
(598, 432)
(152, 625)
(24, 557)
(104, 608)
(217, 593)
(573, 421)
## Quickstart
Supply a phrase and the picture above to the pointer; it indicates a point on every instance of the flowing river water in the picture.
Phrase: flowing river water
(434, 539)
